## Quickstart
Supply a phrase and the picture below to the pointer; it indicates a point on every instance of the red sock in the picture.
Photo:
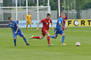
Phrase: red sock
(48, 38)
(36, 37)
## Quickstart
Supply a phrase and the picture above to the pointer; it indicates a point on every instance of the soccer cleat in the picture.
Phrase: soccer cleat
(28, 44)
(14, 45)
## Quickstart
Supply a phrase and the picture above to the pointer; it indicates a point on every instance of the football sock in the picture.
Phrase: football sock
(52, 36)
(36, 37)
(14, 42)
(25, 40)
(62, 40)
(48, 38)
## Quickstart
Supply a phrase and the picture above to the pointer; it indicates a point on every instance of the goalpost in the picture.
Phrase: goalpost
(19, 12)
(37, 12)
(74, 24)
(38, 9)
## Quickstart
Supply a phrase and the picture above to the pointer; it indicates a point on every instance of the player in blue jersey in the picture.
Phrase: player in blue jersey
(16, 31)
(59, 28)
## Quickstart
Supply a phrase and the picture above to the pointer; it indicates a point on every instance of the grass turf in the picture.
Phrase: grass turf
(39, 50)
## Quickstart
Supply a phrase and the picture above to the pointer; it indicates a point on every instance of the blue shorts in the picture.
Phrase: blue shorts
(18, 33)
(57, 31)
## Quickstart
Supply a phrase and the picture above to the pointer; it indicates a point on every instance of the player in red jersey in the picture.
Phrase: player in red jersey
(46, 21)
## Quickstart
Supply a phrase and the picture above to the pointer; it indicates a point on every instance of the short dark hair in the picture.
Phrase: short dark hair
(48, 14)
(9, 18)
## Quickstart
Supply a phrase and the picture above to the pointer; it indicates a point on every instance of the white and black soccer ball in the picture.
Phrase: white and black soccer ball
(77, 44)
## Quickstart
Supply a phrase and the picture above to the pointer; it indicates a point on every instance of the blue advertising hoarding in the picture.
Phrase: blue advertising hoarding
(22, 24)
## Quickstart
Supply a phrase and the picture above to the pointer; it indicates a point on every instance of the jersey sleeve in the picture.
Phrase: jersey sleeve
(42, 21)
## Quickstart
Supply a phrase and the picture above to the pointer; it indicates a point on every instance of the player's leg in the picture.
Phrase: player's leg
(54, 36)
(36, 37)
(48, 37)
(14, 36)
(63, 36)
(40, 37)
(43, 35)
(14, 42)
(30, 25)
(21, 34)
(27, 25)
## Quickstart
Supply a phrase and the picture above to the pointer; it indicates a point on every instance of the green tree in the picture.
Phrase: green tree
(87, 6)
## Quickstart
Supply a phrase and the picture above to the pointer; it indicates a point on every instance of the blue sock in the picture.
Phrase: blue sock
(52, 36)
(14, 42)
(25, 40)
(62, 39)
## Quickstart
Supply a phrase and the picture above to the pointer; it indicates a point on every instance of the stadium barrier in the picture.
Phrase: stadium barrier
(69, 23)
(78, 25)
(22, 24)
(4, 24)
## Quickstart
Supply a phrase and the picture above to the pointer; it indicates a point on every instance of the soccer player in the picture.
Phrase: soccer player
(16, 30)
(59, 28)
(45, 28)
(28, 19)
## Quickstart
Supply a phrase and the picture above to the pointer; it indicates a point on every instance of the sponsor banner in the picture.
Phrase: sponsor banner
(78, 22)
(22, 24)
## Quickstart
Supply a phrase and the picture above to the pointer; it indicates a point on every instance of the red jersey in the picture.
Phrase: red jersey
(46, 23)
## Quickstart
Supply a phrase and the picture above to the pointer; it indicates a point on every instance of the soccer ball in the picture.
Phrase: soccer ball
(77, 44)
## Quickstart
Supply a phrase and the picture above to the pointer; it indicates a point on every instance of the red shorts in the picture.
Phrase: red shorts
(44, 31)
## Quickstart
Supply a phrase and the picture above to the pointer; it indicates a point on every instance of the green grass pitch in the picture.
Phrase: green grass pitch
(39, 50)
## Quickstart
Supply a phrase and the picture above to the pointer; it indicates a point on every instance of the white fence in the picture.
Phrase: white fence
(21, 13)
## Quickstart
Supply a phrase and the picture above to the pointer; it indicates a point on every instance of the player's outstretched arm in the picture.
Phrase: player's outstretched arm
(51, 24)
